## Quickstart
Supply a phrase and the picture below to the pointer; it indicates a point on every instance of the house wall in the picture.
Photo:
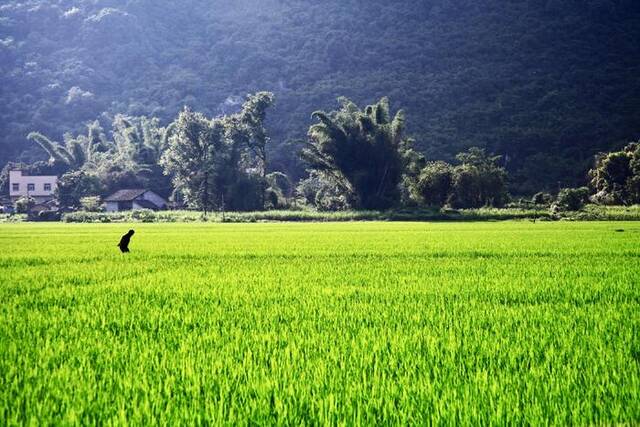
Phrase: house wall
(39, 193)
(155, 199)
(136, 207)
(125, 206)
(111, 206)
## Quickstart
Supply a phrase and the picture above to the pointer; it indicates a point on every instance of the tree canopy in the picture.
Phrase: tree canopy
(364, 153)
(545, 83)
(616, 176)
(220, 163)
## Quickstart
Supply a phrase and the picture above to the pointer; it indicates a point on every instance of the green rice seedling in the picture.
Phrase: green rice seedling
(320, 323)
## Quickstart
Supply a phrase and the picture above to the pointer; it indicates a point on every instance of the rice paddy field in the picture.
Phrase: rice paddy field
(305, 324)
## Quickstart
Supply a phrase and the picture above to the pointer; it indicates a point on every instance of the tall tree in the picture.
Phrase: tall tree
(221, 162)
(130, 159)
(365, 153)
(76, 152)
(478, 180)
(252, 117)
(140, 143)
(75, 185)
(246, 130)
(434, 184)
(190, 157)
(616, 176)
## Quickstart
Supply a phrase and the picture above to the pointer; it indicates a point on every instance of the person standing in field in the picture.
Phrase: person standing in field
(124, 241)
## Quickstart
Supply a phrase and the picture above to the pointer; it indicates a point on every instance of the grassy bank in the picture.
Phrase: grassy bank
(589, 213)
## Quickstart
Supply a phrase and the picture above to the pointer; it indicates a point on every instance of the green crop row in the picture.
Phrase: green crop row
(460, 323)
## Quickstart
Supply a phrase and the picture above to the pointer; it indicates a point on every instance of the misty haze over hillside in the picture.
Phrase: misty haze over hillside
(546, 83)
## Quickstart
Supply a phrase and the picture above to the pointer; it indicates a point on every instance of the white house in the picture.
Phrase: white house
(39, 187)
(126, 200)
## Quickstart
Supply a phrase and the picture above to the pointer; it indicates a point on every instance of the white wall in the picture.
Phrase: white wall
(156, 199)
(16, 177)
(111, 206)
(148, 195)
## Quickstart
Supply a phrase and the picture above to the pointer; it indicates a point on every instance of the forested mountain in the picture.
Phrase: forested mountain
(545, 83)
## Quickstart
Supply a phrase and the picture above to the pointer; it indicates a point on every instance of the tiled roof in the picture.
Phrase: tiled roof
(124, 195)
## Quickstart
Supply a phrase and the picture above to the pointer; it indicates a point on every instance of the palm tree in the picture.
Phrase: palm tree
(58, 154)
(141, 138)
(365, 153)
(77, 152)
(139, 143)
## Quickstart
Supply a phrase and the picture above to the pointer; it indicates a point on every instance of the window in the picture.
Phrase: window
(31, 187)
(47, 187)
(15, 187)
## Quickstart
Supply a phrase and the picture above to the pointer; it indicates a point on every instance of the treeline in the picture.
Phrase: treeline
(356, 159)
(545, 83)
(195, 161)
(363, 159)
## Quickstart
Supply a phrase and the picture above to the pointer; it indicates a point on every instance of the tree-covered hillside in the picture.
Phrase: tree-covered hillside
(545, 83)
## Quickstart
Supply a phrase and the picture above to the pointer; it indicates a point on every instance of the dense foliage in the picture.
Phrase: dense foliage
(97, 164)
(545, 83)
(433, 185)
(571, 199)
(478, 180)
(75, 186)
(364, 154)
(220, 163)
(616, 176)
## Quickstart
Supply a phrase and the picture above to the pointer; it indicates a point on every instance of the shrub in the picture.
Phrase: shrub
(24, 204)
(279, 190)
(434, 184)
(91, 204)
(542, 199)
(326, 200)
(143, 215)
(73, 186)
(478, 181)
(572, 199)
(616, 176)
(605, 198)
(319, 192)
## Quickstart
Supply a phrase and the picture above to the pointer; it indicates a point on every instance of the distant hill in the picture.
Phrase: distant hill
(547, 83)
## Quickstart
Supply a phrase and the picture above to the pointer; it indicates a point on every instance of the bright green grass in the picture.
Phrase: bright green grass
(361, 323)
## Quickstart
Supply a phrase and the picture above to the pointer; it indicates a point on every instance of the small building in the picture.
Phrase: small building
(39, 187)
(127, 200)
